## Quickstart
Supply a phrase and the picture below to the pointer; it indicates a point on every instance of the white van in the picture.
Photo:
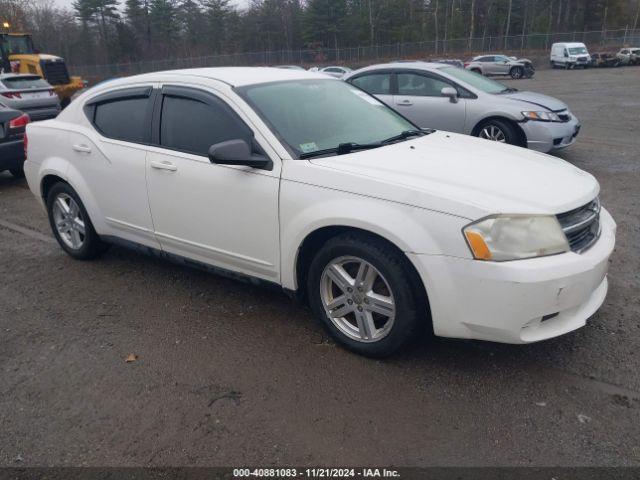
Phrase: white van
(570, 55)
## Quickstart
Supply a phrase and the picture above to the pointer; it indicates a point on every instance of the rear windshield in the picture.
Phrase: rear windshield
(23, 83)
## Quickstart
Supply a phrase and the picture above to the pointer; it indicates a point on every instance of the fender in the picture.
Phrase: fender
(404, 226)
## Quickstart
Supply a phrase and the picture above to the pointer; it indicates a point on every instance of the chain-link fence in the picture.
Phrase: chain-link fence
(359, 56)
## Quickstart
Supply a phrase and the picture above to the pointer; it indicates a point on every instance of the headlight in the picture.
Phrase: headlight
(512, 237)
(542, 116)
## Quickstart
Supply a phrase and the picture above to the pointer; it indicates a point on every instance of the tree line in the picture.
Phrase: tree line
(117, 31)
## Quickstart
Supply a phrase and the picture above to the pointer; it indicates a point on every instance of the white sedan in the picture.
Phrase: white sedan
(294, 179)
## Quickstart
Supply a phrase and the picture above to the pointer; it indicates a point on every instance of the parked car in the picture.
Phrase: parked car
(289, 67)
(12, 126)
(569, 55)
(501, 65)
(604, 60)
(629, 56)
(439, 96)
(29, 94)
(307, 183)
(335, 71)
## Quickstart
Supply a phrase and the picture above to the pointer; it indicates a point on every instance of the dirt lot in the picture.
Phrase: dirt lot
(229, 374)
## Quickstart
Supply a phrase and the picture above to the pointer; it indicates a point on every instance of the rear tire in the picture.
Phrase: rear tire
(71, 224)
(365, 295)
(18, 172)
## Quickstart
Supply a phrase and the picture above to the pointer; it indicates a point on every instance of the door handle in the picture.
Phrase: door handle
(164, 166)
(405, 103)
(82, 148)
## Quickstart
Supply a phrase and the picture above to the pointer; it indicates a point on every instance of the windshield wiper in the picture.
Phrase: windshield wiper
(405, 134)
(349, 147)
(342, 149)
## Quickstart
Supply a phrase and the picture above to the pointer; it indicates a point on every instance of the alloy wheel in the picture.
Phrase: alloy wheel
(357, 299)
(492, 132)
(68, 221)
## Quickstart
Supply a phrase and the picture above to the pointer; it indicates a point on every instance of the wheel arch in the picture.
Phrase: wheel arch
(522, 136)
(315, 239)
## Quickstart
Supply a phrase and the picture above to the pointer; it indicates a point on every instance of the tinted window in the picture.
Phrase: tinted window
(193, 126)
(486, 59)
(375, 84)
(419, 85)
(124, 119)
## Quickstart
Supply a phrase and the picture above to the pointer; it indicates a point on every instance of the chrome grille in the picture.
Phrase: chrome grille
(582, 225)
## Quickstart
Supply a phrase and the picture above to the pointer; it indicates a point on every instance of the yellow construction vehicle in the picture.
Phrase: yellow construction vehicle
(17, 55)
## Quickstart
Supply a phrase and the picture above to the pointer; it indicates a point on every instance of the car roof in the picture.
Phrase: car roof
(415, 65)
(233, 76)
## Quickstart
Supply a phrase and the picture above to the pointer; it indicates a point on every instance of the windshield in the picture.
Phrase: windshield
(16, 44)
(316, 115)
(577, 50)
(23, 83)
(476, 80)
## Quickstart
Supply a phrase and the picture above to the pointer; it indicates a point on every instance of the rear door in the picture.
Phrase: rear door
(109, 159)
(419, 98)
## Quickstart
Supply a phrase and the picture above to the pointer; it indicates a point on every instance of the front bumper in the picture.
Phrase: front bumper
(547, 136)
(520, 301)
(11, 154)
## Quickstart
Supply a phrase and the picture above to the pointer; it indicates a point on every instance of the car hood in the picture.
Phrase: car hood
(458, 175)
(538, 100)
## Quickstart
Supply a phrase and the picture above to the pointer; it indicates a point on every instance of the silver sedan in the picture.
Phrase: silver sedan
(444, 97)
(29, 94)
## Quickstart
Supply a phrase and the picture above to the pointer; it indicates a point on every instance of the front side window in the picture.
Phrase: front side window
(123, 119)
(420, 85)
(192, 125)
(375, 84)
(486, 59)
(316, 115)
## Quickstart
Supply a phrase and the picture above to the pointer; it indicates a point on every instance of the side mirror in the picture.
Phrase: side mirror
(450, 92)
(238, 152)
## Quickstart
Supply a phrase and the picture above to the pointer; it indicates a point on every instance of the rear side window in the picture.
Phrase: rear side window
(375, 84)
(123, 114)
(123, 119)
(193, 124)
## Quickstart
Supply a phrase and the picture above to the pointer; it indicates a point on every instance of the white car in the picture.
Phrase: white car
(334, 71)
(305, 182)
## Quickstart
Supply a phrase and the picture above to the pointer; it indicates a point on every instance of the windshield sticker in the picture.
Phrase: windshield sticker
(366, 97)
(308, 147)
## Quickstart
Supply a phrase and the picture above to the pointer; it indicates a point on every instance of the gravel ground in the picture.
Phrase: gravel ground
(230, 374)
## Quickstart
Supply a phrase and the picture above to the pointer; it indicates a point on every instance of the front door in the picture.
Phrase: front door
(225, 216)
(419, 98)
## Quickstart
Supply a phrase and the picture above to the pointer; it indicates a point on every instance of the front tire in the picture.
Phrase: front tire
(365, 295)
(516, 73)
(71, 224)
(498, 131)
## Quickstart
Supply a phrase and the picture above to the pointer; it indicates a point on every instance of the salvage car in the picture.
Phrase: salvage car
(501, 65)
(448, 98)
(629, 56)
(12, 128)
(307, 183)
(605, 60)
(29, 94)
